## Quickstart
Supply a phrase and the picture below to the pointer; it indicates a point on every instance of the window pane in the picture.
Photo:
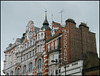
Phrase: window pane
(56, 44)
(48, 47)
(18, 71)
(52, 45)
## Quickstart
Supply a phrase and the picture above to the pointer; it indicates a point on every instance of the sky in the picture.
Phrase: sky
(15, 15)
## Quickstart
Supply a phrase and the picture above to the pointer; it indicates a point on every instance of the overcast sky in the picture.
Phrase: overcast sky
(15, 16)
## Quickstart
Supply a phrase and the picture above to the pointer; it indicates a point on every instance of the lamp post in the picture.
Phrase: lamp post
(65, 69)
(56, 62)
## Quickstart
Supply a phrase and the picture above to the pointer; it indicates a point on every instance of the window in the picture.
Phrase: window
(52, 45)
(48, 47)
(20, 48)
(27, 44)
(18, 71)
(24, 69)
(7, 73)
(33, 52)
(4, 66)
(5, 57)
(11, 73)
(50, 73)
(56, 72)
(33, 63)
(11, 58)
(30, 53)
(11, 54)
(56, 56)
(27, 55)
(38, 36)
(51, 58)
(31, 43)
(30, 67)
(42, 36)
(41, 47)
(39, 63)
(24, 56)
(56, 45)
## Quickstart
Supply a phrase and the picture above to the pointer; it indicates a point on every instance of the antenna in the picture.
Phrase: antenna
(52, 20)
(52, 17)
(61, 15)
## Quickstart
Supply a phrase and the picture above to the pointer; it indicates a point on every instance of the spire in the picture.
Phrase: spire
(45, 21)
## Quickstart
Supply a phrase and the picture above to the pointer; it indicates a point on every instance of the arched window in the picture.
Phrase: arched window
(27, 44)
(31, 43)
(24, 69)
(42, 36)
(18, 71)
(11, 73)
(30, 67)
(39, 63)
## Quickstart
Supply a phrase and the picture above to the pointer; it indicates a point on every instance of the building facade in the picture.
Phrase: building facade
(45, 50)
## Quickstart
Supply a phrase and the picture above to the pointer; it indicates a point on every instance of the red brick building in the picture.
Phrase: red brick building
(42, 51)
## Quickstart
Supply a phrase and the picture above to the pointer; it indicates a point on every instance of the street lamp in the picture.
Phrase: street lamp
(63, 63)
(65, 69)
